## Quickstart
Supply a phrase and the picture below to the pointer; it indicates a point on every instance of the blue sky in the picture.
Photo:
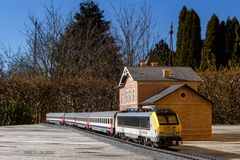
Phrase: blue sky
(14, 14)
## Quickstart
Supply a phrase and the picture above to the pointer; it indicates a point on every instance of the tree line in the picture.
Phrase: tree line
(75, 63)
(68, 65)
(219, 49)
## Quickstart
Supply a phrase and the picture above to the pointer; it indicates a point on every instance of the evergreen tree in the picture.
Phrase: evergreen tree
(211, 49)
(229, 39)
(189, 42)
(161, 50)
(236, 47)
(221, 57)
(87, 47)
(179, 59)
(195, 42)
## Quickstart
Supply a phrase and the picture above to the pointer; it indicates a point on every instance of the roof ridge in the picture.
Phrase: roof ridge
(155, 74)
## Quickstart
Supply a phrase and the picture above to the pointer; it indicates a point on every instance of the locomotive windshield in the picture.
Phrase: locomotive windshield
(167, 119)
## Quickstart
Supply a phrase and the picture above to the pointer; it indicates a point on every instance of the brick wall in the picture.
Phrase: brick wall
(148, 89)
(195, 113)
(128, 95)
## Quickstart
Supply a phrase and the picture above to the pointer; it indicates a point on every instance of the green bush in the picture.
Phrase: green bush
(14, 114)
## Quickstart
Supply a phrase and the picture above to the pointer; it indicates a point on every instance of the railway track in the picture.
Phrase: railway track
(169, 151)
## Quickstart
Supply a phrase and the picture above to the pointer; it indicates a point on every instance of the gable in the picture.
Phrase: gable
(176, 94)
(125, 75)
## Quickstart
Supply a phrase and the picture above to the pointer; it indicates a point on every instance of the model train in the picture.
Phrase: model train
(156, 128)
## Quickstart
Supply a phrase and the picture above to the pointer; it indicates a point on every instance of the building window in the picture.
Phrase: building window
(125, 97)
(130, 96)
(183, 95)
(133, 95)
(121, 98)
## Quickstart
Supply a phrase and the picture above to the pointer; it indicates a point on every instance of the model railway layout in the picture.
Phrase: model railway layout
(155, 128)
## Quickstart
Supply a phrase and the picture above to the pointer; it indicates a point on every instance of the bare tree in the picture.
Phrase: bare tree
(134, 33)
(41, 38)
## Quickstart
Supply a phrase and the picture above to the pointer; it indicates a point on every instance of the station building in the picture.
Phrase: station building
(168, 87)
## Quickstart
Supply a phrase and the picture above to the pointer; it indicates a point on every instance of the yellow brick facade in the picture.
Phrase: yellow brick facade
(195, 113)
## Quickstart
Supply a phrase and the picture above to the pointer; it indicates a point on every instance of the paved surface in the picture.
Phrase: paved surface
(225, 143)
(38, 142)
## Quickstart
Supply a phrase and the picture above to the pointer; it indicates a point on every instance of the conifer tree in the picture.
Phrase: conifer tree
(221, 58)
(195, 43)
(189, 42)
(87, 47)
(211, 49)
(229, 39)
(179, 58)
(236, 46)
(161, 50)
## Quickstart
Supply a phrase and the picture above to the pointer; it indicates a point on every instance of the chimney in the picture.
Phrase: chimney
(143, 64)
(166, 73)
(154, 64)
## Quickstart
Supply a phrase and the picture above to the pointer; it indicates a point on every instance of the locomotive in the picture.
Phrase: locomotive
(156, 128)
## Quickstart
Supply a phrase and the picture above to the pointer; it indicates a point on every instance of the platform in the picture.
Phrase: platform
(38, 142)
(225, 143)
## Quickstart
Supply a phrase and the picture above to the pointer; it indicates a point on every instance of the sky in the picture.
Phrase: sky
(14, 14)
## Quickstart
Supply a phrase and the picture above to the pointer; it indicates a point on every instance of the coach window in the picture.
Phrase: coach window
(144, 122)
(132, 121)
